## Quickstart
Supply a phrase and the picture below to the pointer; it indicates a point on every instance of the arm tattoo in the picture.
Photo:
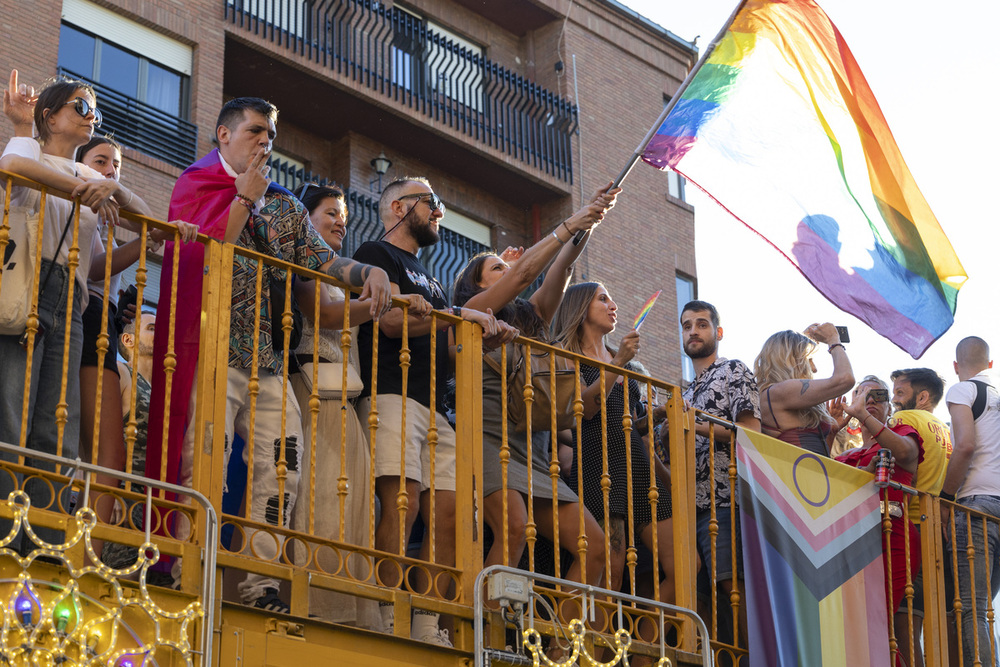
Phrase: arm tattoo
(348, 271)
(805, 387)
(357, 275)
(337, 268)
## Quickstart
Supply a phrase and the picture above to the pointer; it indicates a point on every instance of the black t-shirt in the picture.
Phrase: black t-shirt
(405, 270)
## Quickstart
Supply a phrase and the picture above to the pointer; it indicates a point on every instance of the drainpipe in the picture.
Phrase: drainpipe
(536, 224)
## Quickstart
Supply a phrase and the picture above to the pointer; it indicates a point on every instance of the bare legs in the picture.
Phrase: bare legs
(569, 533)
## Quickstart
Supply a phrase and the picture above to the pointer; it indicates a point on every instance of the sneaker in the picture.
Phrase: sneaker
(270, 601)
(437, 636)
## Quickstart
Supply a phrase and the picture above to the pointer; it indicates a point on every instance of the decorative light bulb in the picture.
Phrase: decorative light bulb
(62, 618)
(92, 639)
(24, 609)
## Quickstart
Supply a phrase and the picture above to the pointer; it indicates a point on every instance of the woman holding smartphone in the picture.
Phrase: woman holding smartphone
(793, 402)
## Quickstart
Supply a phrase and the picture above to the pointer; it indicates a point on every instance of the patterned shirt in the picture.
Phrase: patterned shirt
(283, 225)
(725, 389)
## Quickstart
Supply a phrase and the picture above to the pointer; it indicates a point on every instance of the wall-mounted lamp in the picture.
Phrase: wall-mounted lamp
(381, 165)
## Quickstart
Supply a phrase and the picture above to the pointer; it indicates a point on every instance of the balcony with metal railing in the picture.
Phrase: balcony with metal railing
(404, 63)
(144, 127)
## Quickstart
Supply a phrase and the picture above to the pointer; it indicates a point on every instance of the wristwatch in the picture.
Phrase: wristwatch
(456, 311)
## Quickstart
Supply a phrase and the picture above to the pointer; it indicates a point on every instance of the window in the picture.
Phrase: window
(121, 70)
(685, 293)
(290, 16)
(675, 185)
(427, 57)
(462, 238)
(141, 77)
(287, 172)
(675, 182)
(406, 51)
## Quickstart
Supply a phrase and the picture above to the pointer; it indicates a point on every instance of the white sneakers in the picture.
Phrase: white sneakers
(424, 628)
(436, 636)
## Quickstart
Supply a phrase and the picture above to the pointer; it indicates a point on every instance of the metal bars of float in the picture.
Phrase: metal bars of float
(395, 54)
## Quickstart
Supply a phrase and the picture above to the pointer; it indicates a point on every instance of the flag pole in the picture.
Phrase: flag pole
(670, 106)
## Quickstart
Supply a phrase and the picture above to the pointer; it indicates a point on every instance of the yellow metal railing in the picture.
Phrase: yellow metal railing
(306, 560)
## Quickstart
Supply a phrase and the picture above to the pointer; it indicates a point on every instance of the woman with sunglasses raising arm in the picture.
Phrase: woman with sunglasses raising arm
(65, 115)
(792, 401)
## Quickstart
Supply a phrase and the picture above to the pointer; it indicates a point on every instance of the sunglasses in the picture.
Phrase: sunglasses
(82, 107)
(302, 192)
(434, 202)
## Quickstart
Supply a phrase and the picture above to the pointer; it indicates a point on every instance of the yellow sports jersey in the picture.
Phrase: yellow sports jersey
(936, 446)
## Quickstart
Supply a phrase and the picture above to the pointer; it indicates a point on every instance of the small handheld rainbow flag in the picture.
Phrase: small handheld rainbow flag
(645, 310)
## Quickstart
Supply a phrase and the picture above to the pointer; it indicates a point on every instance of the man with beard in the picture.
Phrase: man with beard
(228, 195)
(915, 394)
(410, 213)
(725, 388)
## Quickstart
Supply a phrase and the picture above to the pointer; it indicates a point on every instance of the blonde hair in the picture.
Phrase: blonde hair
(785, 356)
(874, 379)
(846, 440)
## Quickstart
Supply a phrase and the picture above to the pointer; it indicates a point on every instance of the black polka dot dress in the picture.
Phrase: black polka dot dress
(593, 459)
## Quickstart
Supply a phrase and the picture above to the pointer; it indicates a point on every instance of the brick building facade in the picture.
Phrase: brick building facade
(481, 97)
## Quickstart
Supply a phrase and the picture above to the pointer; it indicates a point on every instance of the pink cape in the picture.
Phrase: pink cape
(202, 195)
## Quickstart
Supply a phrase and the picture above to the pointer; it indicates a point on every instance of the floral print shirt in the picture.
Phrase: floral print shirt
(725, 389)
(283, 226)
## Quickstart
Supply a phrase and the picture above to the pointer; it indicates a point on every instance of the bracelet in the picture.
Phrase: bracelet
(840, 345)
(944, 495)
(880, 430)
(556, 237)
(246, 201)
(571, 234)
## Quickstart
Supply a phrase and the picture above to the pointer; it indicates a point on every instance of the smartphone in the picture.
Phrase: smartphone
(879, 395)
(844, 336)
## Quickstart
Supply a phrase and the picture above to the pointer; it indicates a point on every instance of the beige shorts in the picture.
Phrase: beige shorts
(389, 441)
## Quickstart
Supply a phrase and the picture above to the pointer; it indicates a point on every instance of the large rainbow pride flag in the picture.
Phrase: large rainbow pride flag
(812, 551)
(780, 127)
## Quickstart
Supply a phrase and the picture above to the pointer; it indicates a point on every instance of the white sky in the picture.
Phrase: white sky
(932, 68)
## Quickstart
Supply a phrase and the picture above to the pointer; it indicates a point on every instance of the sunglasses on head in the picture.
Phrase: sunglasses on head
(434, 201)
(82, 107)
(303, 190)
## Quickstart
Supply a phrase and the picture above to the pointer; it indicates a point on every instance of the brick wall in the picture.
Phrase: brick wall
(623, 74)
(624, 69)
(31, 47)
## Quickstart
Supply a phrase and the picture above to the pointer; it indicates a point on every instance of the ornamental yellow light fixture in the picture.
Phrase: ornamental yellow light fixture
(47, 619)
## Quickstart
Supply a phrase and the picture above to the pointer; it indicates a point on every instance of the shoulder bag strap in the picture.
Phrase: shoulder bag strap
(979, 405)
(62, 240)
